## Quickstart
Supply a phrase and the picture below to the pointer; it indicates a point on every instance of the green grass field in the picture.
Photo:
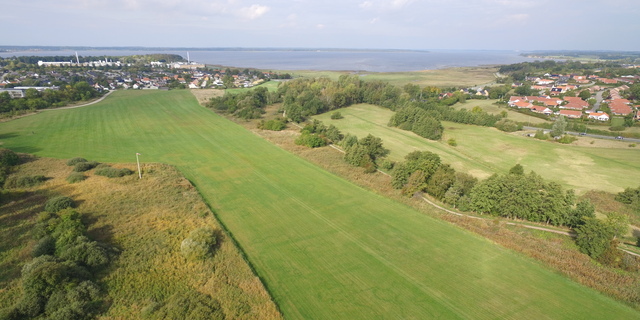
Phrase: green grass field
(451, 77)
(325, 248)
(490, 107)
(483, 151)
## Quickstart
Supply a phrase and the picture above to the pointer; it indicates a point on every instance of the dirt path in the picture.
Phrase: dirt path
(82, 105)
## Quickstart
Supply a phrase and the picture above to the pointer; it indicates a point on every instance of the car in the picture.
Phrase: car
(619, 137)
(583, 133)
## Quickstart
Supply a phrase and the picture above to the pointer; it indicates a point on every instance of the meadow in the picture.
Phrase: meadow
(450, 77)
(324, 247)
(482, 151)
(146, 220)
(490, 107)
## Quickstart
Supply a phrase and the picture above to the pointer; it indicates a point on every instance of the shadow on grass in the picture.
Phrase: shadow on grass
(8, 135)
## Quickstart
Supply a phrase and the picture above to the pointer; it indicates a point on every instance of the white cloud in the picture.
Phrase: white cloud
(320, 26)
(253, 12)
(400, 3)
(366, 5)
(374, 20)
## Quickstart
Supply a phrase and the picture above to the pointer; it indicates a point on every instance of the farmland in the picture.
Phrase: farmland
(450, 77)
(483, 151)
(324, 247)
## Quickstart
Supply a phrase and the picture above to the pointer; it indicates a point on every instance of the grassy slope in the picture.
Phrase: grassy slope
(325, 247)
(146, 220)
(483, 151)
(490, 107)
(451, 77)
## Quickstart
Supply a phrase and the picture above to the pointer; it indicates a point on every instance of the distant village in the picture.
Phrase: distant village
(604, 98)
(110, 75)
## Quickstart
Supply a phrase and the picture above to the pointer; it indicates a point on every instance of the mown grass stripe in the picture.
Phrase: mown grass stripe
(326, 248)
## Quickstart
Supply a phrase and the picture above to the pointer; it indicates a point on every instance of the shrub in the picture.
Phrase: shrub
(336, 115)
(102, 165)
(84, 166)
(191, 305)
(567, 139)
(452, 142)
(24, 181)
(617, 128)
(199, 244)
(45, 246)
(310, 140)
(632, 145)
(76, 177)
(56, 204)
(277, 124)
(387, 164)
(110, 172)
(540, 135)
(507, 125)
(74, 161)
(85, 252)
(8, 158)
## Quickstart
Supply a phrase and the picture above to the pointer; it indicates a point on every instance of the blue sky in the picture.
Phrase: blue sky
(380, 24)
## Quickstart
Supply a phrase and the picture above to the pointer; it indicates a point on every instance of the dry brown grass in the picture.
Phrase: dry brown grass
(203, 95)
(147, 220)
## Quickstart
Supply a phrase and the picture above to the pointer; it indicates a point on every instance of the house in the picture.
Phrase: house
(575, 103)
(619, 108)
(608, 81)
(545, 81)
(601, 116)
(523, 105)
(637, 117)
(540, 109)
(571, 114)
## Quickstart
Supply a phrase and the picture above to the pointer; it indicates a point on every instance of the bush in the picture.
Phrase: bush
(56, 204)
(74, 161)
(507, 125)
(567, 139)
(76, 177)
(24, 181)
(191, 305)
(617, 128)
(45, 246)
(310, 140)
(110, 172)
(277, 124)
(84, 166)
(8, 158)
(452, 142)
(336, 115)
(199, 245)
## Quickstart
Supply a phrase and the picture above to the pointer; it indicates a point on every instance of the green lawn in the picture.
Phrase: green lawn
(490, 107)
(451, 77)
(325, 248)
(483, 151)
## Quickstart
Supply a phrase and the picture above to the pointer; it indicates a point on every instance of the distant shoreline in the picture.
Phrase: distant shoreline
(248, 49)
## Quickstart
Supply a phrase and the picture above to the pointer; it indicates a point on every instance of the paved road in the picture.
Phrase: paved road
(589, 135)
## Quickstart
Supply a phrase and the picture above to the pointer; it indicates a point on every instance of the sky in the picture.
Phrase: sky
(364, 24)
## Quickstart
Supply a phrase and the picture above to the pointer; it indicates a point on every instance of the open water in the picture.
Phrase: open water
(372, 61)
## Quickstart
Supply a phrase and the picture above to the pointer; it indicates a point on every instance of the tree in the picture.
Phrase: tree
(618, 222)
(558, 127)
(517, 169)
(8, 158)
(373, 147)
(593, 236)
(584, 94)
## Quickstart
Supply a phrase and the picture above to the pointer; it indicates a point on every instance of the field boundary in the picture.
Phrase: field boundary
(511, 223)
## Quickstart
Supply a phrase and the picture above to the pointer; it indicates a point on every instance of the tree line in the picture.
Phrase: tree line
(36, 100)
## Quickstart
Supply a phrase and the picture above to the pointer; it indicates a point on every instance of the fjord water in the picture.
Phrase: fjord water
(354, 60)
